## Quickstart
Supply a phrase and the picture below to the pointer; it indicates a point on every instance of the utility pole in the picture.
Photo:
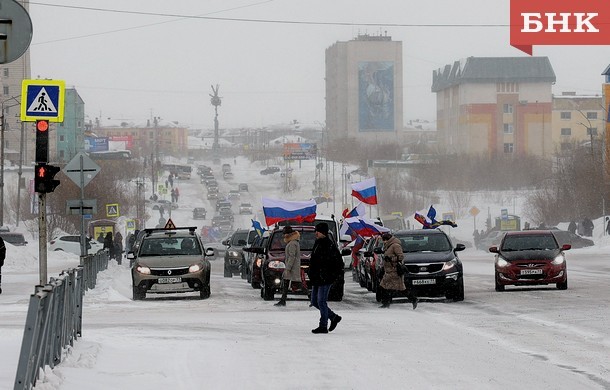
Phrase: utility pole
(216, 102)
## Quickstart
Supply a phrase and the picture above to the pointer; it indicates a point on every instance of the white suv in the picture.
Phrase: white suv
(71, 243)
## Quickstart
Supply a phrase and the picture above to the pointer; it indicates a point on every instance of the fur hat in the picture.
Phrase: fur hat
(287, 230)
(322, 227)
(386, 236)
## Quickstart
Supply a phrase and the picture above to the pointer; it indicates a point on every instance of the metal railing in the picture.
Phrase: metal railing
(54, 318)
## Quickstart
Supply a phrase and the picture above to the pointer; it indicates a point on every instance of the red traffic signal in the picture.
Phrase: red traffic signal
(42, 125)
(44, 181)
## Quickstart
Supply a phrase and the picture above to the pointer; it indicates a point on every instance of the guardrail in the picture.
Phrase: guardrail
(54, 318)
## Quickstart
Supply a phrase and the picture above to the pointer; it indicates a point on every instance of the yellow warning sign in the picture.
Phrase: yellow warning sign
(170, 224)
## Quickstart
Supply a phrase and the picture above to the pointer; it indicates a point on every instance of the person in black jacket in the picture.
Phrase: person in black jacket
(2, 256)
(321, 276)
(109, 244)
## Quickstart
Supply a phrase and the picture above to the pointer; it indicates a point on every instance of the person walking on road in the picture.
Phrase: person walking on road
(2, 257)
(292, 273)
(322, 274)
(391, 281)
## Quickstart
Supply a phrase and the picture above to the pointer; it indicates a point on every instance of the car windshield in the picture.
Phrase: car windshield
(239, 238)
(166, 246)
(528, 242)
(425, 243)
(306, 241)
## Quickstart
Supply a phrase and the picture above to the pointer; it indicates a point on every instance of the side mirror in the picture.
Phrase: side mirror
(566, 247)
(494, 249)
(459, 247)
(130, 255)
(225, 242)
(209, 252)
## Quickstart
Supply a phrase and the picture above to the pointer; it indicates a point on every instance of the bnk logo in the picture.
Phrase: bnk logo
(559, 22)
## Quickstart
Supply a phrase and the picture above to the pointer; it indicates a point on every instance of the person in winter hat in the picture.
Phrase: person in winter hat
(321, 276)
(391, 281)
(292, 273)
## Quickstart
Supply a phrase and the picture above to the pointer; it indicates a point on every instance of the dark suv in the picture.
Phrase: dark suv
(235, 261)
(433, 266)
(273, 265)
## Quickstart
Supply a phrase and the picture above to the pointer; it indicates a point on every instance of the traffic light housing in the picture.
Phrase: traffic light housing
(44, 181)
(42, 141)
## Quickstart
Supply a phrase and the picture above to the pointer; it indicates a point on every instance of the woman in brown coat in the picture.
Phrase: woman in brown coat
(292, 273)
(391, 281)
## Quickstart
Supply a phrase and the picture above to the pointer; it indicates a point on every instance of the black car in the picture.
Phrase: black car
(433, 266)
(235, 259)
(199, 213)
(273, 265)
(16, 239)
(270, 170)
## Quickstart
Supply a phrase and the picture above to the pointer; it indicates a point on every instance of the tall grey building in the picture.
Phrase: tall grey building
(364, 89)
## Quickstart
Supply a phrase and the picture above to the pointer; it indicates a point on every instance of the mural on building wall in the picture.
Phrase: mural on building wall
(376, 96)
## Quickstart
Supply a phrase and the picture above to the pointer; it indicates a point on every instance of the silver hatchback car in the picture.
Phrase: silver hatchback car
(171, 261)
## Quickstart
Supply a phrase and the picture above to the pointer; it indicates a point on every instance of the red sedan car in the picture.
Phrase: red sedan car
(531, 257)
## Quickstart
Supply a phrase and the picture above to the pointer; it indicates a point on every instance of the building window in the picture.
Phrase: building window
(566, 131)
(592, 115)
(566, 115)
(5, 72)
(61, 138)
(508, 128)
(508, 108)
(79, 124)
(591, 130)
(508, 147)
(61, 154)
(5, 90)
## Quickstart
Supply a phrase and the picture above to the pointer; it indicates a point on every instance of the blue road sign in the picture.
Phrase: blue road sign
(42, 100)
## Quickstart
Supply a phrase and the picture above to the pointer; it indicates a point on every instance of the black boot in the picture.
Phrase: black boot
(386, 305)
(281, 302)
(319, 329)
(414, 302)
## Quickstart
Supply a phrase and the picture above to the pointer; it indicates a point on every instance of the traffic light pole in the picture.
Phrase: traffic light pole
(42, 237)
(83, 239)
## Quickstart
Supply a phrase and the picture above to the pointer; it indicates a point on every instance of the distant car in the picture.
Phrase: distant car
(270, 170)
(199, 213)
(226, 168)
(222, 203)
(212, 195)
(227, 213)
(530, 257)
(243, 187)
(235, 261)
(171, 261)
(234, 194)
(245, 208)
(566, 237)
(227, 175)
(16, 239)
(71, 244)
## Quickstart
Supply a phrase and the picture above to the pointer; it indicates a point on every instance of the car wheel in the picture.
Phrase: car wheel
(244, 274)
(138, 294)
(267, 293)
(256, 285)
(361, 281)
(458, 293)
(499, 287)
(562, 285)
(205, 292)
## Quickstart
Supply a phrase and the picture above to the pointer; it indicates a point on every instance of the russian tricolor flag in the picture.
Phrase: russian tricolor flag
(357, 211)
(365, 227)
(277, 210)
(365, 191)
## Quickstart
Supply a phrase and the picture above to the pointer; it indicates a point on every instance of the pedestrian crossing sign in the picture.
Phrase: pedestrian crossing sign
(112, 210)
(42, 100)
(170, 224)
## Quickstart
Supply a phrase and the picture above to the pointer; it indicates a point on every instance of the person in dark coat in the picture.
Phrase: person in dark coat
(109, 244)
(572, 227)
(587, 226)
(2, 257)
(608, 226)
(321, 276)
(292, 273)
(391, 281)
(118, 247)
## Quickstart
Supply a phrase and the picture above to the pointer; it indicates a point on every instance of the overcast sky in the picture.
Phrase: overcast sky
(136, 59)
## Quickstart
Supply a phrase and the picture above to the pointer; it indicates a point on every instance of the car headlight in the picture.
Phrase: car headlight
(277, 265)
(558, 260)
(501, 262)
(143, 269)
(449, 264)
(195, 268)
(233, 253)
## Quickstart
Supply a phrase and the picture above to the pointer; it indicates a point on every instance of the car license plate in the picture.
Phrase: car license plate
(170, 280)
(424, 281)
(531, 272)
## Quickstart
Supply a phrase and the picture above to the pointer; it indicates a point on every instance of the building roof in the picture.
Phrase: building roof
(494, 70)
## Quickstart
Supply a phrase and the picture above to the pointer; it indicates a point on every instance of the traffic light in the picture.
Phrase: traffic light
(42, 141)
(44, 181)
